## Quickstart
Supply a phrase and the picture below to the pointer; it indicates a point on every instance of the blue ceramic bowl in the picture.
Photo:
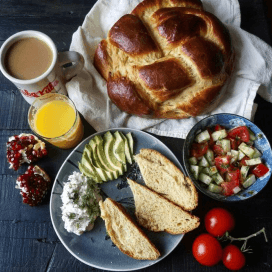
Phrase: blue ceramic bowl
(230, 121)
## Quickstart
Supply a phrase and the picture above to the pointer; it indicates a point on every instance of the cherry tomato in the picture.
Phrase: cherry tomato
(218, 221)
(240, 133)
(260, 170)
(207, 250)
(198, 150)
(233, 258)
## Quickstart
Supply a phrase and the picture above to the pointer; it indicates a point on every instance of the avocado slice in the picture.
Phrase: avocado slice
(119, 148)
(127, 149)
(92, 146)
(84, 170)
(130, 143)
(88, 164)
(89, 150)
(102, 157)
(109, 140)
(89, 154)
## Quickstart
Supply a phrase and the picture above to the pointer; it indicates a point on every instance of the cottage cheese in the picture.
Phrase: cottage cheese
(80, 199)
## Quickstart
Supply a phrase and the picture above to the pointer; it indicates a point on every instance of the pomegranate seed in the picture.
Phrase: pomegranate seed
(17, 145)
(17, 155)
(44, 152)
(33, 186)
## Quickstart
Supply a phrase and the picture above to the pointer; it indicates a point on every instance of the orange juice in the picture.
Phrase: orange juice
(54, 119)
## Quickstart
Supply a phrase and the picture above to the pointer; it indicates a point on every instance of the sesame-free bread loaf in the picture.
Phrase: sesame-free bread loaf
(167, 59)
(157, 213)
(163, 177)
(125, 234)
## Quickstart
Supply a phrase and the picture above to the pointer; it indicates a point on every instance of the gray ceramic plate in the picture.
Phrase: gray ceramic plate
(94, 248)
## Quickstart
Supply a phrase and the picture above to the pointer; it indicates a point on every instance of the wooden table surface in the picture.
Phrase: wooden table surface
(28, 241)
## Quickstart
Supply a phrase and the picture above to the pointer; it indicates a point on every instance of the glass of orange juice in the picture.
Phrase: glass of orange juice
(54, 118)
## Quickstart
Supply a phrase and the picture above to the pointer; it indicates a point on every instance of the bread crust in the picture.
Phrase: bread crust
(140, 45)
(112, 232)
(183, 185)
(146, 209)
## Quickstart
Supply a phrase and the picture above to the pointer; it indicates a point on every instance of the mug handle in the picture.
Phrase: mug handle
(73, 57)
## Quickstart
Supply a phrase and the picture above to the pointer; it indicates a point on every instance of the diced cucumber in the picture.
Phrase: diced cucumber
(249, 181)
(203, 162)
(217, 178)
(213, 170)
(218, 142)
(244, 171)
(241, 155)
(246, 149)
(194, 170)
(203, 137)
(219, 135)
(252, 135)
(215, 188)
(193, 161)
(206, 170)
(205, 178)
(236, 190)
(210, 157)
(257, 153)
(226, 145)
(209, 170)
(253, 161)
(234, 155)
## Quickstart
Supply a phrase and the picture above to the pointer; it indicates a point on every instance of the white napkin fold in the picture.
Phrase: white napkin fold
(253, 68)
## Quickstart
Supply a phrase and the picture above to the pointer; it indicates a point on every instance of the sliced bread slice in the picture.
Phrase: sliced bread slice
(125, 234)
(163, 177)
(157, 213)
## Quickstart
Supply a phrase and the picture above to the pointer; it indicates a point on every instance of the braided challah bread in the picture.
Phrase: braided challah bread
(167, 59)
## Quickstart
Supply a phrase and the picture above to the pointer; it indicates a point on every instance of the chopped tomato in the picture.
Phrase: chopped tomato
(243, 161)
(198, 150)
(218, 150)
(233, 143)
(211, 141)
(218, 127)
(233, 174)
(260, 170)
(241, 133)
(223, 163)
(228, 187)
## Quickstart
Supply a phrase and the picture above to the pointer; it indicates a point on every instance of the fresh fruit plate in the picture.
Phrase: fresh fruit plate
(95, 248)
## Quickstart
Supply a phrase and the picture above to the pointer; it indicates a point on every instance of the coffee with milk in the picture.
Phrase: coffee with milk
(28, 58)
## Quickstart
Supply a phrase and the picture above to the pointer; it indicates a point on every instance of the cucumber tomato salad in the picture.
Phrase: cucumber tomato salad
(226, 161)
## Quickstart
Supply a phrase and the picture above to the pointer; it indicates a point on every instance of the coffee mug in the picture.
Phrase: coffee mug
(52, 79)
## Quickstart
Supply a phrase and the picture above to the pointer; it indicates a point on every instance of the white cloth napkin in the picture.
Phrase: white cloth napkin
(253, 68)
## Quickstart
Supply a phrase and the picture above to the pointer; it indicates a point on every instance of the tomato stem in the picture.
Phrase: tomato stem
(245, 239)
